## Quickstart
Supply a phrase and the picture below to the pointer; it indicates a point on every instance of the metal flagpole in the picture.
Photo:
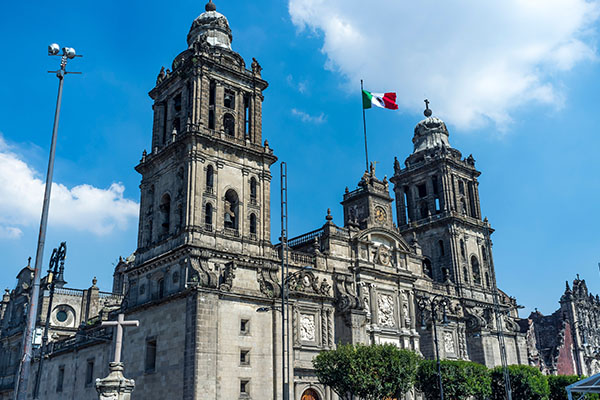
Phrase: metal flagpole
(365, 128)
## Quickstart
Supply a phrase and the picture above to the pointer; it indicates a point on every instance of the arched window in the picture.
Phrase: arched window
(476, 271)
(231, 209)
(229, 124)
(424, 210)
(441, 247)
(165, 210)
(462, 248)
(253, 188)
(427, 271)
(161, 288)
(210, 178)
(253, 224)
(208, 216)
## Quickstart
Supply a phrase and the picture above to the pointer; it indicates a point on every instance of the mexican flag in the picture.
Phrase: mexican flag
(383, 100)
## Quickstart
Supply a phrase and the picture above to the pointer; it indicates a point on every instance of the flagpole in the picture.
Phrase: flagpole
(364, 127)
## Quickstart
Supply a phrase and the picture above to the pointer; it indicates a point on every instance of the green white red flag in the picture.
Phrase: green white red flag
(382, 100)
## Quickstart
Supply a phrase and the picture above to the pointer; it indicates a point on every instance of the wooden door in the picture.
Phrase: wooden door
(310, 394)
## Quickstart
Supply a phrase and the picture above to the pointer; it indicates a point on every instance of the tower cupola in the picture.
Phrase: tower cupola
(212, 27)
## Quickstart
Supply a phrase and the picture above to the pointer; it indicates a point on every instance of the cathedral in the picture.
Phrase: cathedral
(205, 280)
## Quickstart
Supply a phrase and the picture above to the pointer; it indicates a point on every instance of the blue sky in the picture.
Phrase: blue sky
(516, 83)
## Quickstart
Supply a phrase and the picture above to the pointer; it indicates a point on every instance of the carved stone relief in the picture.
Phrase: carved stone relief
(449, 343)
(307, 327)
(385, 306)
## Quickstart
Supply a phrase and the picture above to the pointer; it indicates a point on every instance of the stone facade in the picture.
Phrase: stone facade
(205, 264)
(567, 342)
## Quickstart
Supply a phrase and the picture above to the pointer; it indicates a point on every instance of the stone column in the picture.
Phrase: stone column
(115, 386)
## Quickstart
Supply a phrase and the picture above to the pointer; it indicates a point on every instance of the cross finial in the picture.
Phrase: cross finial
(119, 323)
(427, 111)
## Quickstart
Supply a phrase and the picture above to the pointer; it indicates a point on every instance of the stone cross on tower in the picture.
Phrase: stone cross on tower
(115, 386)
(120, 323)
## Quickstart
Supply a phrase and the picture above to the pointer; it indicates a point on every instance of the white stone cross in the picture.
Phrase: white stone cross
(120, 323)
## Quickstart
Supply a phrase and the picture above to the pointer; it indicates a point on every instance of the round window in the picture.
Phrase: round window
(62, 316)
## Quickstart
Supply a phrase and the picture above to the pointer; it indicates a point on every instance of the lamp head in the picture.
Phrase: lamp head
(69, 52)
(53, 49)
(263, 309)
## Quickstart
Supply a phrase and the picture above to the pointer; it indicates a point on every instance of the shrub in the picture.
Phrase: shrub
(527, 383)
(370, 372)
(461, 380)
(558, 383)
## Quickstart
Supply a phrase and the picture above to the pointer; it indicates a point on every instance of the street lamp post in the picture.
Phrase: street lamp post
(55, 275)
(25, 364)
(433, 305)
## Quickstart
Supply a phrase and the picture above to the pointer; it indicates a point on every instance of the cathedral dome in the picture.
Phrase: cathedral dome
(429, 134)
(211, 26)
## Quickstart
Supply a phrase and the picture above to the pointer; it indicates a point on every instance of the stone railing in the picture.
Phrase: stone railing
(306, 238)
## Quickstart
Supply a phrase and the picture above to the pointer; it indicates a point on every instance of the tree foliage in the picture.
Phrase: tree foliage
(461, 380)
(558, 383)
(527, 383)
(370, 372)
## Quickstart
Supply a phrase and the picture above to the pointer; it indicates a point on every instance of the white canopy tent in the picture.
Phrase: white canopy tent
(587, 385)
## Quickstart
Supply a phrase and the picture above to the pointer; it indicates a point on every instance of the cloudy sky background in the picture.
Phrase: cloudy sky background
(515, 81)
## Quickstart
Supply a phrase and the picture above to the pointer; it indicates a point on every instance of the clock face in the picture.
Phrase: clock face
(379, 214)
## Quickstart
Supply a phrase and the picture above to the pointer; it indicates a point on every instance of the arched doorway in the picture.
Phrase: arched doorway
(310, 394)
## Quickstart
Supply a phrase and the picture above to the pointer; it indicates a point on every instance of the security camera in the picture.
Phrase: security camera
(53, 49)
(69, 52)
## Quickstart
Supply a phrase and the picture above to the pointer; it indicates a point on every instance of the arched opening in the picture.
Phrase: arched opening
(484, 253)
(231, 209)
(424, 210)
(441, 248)
(229, 124)
(210, 178)
(161, 288)
(310, 394)
(208, 216)
(427, 271)
(252, 224)
(165, 210)
(180, 216)
(253, 189)
(475, 270)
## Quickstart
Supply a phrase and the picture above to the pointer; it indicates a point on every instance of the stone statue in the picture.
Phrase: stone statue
(256, 68)
(161, 75)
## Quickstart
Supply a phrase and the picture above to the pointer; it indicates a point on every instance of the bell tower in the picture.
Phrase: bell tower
(437, 201)
(206, 181)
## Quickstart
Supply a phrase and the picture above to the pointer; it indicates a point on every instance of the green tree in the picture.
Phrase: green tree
(527, 383)
(461, 380)
(370, 372)
(558, 383)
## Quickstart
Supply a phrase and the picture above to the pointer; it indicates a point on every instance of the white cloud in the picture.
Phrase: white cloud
(305, 117)
(83, 207)
(10, 232)
(475, 61)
